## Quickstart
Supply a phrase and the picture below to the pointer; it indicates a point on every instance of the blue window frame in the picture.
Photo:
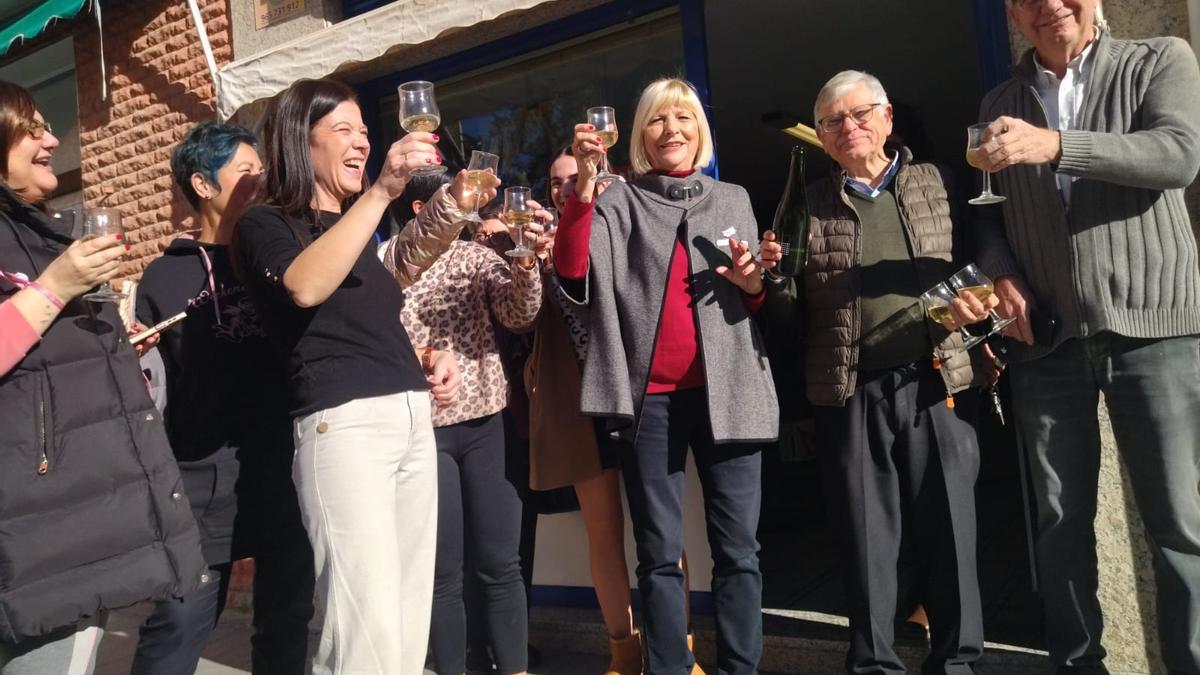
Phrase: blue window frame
(355, 7)
(995, 52)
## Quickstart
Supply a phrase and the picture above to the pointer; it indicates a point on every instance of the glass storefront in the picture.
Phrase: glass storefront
(524, 109)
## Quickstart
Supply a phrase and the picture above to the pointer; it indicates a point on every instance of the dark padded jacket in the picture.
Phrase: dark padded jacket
(830, 309)
(92, 510)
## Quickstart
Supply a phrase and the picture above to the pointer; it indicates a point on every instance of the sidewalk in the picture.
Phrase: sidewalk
(573, 642)
(228, 651)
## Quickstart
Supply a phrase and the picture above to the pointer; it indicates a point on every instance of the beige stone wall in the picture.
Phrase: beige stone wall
(159, 85)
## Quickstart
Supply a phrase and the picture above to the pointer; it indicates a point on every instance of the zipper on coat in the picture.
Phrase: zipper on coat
(43, 465)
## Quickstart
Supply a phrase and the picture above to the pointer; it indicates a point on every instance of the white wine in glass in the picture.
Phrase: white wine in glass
(419, 113)
(102, 223)
(972, 280)
(518, 212)
(936, 303)
(480, 173)
(604, 118)
(974, 140)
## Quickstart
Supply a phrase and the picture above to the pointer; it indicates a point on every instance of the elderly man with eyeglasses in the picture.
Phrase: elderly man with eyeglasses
(1094, 140)
(894, 394)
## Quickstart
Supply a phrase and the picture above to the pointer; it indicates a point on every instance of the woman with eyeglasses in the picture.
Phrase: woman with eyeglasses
(674, 361)
(92, 514)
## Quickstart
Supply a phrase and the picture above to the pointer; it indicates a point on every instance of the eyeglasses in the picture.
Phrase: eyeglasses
(38, 129)
(861, 115)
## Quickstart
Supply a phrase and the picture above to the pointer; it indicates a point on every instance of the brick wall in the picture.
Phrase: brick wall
(159, 86)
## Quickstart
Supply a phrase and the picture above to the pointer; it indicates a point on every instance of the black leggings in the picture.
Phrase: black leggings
(479, 514)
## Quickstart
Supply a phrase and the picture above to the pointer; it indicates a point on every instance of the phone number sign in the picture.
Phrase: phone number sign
(267, 12)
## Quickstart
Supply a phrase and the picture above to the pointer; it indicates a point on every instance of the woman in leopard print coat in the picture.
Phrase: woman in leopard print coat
(452, 307)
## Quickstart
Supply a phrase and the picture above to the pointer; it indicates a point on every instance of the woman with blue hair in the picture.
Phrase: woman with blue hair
(227, 419)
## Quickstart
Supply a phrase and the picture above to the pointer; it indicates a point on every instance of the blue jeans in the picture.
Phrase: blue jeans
(731, 476)
(1152, 388)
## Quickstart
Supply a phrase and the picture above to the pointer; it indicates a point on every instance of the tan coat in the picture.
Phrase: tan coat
(562, 441)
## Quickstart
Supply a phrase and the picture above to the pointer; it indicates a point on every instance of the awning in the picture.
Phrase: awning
(355, 40)
(31, 20)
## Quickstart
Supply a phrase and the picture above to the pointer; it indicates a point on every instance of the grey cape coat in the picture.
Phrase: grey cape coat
(634, 229)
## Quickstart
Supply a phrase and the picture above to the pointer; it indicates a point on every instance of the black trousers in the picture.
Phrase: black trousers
(899, 464)
(731, 477)
(479, 512)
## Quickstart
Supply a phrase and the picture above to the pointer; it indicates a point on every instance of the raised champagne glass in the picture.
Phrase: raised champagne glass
(972, 280)
(419, 112)
(936, 303)
(482, 166)
(604, 118)
(974, 140)
(518, 212)
(102, 222)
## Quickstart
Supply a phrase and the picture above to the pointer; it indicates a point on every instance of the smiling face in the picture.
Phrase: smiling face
(237, 184)
(338, 148)
(671, 139)
(1055, 25)
(563, 172)
(30, 172)
(853, 144)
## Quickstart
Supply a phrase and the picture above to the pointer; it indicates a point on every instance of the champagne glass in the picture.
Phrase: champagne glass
(971, 279)
(604, 119)
(974, 140)
(101, 223)
(519, 213)
(936, 303)
(419, 112)
(477, 177)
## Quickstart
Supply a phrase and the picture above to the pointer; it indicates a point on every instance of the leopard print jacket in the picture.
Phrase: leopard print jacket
(451, 306)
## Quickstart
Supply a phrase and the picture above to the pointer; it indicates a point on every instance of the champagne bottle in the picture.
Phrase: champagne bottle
(791, 219)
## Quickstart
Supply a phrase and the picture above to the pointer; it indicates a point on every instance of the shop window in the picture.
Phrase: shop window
(524, 109)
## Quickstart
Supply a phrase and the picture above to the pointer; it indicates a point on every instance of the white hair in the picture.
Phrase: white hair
(841, 84)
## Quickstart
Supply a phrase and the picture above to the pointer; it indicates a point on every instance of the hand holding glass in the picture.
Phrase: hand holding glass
(936, 303)
(971, 279)
(102, 223)
(518, 212)
(604, 119)
(482, 163)
(419, 112)
(974, 141)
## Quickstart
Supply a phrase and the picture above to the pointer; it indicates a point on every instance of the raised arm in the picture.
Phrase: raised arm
(323, 265)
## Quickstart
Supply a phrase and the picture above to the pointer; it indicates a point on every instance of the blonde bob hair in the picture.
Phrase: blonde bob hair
(662, 95)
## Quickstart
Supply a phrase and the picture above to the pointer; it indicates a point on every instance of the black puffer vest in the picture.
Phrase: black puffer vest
(92, 510)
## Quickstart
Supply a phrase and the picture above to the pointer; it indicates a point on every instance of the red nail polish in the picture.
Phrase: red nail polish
(128, 247)
(599, 140)
(436, 138)
(120, 236)
(428, 161)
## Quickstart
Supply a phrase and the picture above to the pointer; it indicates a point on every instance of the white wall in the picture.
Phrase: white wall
(561, 558)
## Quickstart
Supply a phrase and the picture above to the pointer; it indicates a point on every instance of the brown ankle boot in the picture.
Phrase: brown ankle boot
(696, 669)
(626, 655)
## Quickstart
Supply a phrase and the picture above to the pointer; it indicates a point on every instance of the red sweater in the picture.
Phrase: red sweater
(676, 363)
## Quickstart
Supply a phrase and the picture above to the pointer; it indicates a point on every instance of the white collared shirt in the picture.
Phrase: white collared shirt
(1063, 100)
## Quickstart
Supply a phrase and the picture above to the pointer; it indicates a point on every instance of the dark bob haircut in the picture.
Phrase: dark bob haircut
(205, 149)
(291, 183)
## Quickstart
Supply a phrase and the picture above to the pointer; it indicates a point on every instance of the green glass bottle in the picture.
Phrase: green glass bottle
(791, 219)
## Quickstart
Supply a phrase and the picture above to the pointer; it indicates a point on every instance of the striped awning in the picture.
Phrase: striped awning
(26, 20)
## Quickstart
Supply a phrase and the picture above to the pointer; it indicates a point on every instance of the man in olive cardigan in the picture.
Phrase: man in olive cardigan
(1094, 140)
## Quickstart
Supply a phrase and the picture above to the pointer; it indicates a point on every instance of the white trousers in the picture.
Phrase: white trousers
(366, 475)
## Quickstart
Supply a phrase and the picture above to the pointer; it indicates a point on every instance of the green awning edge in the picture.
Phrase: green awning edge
(36, 20)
